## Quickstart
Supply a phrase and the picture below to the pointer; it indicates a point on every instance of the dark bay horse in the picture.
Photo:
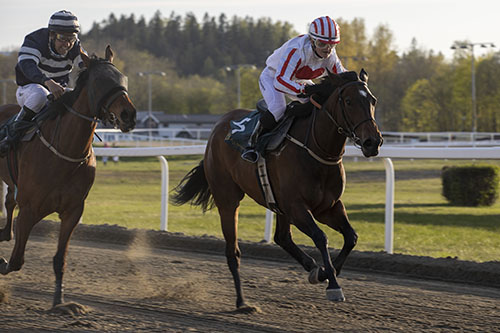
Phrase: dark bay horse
(55, 170)
(306, 174)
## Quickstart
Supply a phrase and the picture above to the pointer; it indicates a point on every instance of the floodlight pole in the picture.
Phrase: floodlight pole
(150, 89)
(237, 69)
(470, 46)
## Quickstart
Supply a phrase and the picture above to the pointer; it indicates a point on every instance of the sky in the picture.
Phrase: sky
(435, 24)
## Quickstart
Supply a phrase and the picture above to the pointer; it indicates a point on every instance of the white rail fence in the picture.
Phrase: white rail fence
(386, 153)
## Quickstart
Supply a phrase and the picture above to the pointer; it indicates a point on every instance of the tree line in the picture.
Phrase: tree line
(417, 90)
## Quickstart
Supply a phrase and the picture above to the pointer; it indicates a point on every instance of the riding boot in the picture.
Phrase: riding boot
(250, 154)
(264, 125)
(15, 132)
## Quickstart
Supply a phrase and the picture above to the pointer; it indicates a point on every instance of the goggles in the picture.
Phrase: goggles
(66, 38)
(322, 45)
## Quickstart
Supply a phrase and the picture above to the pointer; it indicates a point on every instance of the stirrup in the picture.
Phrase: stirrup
(250, 155)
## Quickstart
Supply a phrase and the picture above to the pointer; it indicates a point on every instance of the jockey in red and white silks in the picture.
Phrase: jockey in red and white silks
(303, 58)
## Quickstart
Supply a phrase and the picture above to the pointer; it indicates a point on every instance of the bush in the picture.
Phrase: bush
(474, 185)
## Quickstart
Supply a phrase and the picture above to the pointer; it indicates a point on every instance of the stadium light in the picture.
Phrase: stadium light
(470, 46)
(150, 88)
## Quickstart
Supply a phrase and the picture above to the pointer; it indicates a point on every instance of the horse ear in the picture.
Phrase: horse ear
(109, 54)
(85, 59)
(335, 78)
(363, 75)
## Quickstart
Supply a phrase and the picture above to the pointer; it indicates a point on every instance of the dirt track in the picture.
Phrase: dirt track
(126, 284)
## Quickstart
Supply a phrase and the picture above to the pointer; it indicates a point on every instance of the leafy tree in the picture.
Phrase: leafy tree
(7, 65)
(382, 58)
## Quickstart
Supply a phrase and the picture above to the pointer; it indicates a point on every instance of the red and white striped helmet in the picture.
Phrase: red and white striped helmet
(325, 29)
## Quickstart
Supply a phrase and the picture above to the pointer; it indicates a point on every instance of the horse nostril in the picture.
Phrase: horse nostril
(124, 115)
(368, 143)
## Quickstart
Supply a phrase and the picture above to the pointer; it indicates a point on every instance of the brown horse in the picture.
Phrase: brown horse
(55, 170)
(306, 174)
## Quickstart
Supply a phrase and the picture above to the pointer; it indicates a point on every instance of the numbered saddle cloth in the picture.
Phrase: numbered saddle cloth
(242, 129)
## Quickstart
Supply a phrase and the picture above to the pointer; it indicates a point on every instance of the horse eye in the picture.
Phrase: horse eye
(348, 101)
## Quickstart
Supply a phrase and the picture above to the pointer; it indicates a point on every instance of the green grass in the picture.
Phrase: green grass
(129, 194)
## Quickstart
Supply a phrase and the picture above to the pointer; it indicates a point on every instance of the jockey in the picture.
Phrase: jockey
(290, 69)
(45, 61)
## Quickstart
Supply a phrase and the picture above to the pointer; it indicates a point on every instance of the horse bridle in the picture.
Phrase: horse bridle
(350, 131)
(101, 112)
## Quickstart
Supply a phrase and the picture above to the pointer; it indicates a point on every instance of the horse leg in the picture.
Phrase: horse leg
(283, 237)
(336, 218)
(6, 233)
(69, 220)
(229, 222)
(227, 196)
(25, 222)
(304, 221)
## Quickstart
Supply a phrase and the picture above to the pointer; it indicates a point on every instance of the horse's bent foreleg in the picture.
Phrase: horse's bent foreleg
(283, 237)
(336, 218)
(304, 221)
(69, 220)
(6, 233)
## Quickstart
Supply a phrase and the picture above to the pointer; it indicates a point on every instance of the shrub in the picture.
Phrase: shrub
(473, 185)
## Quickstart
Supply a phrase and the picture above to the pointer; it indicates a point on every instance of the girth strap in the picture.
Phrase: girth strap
(266, 186)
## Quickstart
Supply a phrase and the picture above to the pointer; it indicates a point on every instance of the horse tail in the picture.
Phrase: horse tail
(194, 188)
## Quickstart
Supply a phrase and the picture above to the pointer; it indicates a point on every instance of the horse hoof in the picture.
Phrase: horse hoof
(246, 308)
(70, 308)
(4, 266)
(314, 276)
(335, 295)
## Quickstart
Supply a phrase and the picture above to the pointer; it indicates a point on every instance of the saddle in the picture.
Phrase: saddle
(242, 129)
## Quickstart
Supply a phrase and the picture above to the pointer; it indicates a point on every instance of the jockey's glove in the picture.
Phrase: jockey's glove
(307, 90)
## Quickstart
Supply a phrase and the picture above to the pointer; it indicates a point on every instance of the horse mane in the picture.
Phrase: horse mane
(58, 107)
(326, 86)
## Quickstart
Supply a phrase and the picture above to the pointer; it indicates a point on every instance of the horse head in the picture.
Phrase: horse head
(107, 92)
(351, 107)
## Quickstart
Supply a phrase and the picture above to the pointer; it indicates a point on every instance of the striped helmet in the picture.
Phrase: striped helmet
(64, 21)
(325, 29)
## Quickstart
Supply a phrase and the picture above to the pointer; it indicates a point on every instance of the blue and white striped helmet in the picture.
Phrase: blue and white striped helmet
(64, 21)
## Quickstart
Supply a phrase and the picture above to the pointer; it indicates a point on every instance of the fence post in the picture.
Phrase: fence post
(164, 193)
(389, 205)
(269, 226)
(2, 199)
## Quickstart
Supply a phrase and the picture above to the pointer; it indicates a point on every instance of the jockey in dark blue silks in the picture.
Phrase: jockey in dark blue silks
(45, 60)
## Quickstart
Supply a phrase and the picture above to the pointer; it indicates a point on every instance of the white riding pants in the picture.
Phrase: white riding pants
(33, 96)
(275, 100)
